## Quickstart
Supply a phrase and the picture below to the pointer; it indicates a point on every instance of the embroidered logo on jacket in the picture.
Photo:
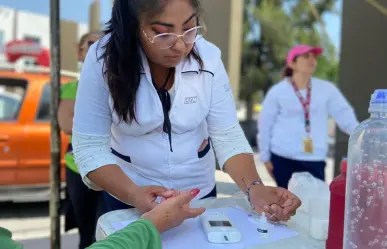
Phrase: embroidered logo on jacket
(227, 87)
(190, 100)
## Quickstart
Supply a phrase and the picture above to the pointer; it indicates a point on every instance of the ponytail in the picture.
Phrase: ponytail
(122, 58)
(288, 72)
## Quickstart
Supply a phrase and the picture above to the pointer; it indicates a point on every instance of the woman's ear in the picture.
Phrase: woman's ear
(292, 65)
(79, 50)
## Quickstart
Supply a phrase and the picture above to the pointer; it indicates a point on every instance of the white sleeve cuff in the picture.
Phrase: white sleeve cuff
(230, 142)
(91, 152)
(265, 156)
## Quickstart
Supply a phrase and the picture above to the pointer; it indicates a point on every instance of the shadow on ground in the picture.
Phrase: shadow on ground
(68, 242)
(227, 188)
(23, 210)
(9, 210)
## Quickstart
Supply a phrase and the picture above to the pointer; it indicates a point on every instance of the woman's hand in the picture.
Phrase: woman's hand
(173, 211)
(145, 197)
(278, 203)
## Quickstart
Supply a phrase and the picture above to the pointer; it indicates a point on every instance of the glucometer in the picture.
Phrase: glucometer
(219, 229)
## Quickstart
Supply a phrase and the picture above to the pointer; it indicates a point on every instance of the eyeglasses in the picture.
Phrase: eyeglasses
(168, 40)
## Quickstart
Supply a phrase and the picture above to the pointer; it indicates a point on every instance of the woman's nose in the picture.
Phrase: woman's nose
(179, 45)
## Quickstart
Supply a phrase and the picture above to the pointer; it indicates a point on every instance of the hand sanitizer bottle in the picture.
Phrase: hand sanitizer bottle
(365, 225)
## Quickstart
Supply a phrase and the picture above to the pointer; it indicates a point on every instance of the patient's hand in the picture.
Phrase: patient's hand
(173, 211)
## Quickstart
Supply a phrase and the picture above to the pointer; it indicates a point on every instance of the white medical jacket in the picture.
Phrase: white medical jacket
(202, 107)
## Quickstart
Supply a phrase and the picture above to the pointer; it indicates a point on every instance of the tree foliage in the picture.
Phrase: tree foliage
(282, 24)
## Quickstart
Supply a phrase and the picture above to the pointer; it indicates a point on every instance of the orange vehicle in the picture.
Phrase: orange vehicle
(25, 133)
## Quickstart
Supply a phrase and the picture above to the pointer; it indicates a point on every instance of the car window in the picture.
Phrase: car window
(11, 98)
(9, 106)
(44, 104)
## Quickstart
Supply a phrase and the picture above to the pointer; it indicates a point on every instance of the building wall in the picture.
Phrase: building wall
(24, 24)
(217, 19)
(236, 44)
(68, 42)
(81, 30)
(30, 25)
(363, 59)
(224, 20)
(95, 16)
(6, 27)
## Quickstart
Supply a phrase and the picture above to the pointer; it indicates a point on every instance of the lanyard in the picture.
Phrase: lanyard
(166, 104)
(305, 104)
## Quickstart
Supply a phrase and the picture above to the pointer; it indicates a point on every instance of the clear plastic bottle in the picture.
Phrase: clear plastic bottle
(366, 204)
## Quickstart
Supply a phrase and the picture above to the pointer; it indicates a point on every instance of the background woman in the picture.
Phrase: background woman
(293, 123)
(82, 200)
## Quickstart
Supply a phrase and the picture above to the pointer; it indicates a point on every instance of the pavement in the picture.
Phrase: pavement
(30, 224)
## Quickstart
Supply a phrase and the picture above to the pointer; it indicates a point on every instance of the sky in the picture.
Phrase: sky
(77, 10)
(333, 24)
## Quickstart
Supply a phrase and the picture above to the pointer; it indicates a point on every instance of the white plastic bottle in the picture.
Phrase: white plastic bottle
(365, 224)
(263, 226)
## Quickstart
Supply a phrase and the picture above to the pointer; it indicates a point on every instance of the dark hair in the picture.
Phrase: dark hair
(122, 56)
(288, 72)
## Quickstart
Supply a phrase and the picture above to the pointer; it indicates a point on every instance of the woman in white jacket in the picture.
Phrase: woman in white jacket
(293, 123)
(150, 95)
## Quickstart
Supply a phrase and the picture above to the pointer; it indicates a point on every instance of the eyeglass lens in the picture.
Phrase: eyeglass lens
(164, 41)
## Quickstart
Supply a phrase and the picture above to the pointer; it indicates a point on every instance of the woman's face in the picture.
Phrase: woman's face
(305, 63)
(84, 47)
(177, 17)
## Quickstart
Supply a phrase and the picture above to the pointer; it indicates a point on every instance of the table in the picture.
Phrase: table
(302, 241)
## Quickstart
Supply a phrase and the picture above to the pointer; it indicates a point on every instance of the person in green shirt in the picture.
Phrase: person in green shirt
(83, 203)
(141, 234)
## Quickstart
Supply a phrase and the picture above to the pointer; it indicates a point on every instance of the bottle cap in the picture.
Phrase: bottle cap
(378, 102)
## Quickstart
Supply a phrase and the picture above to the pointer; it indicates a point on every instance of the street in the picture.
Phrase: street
(30, 224)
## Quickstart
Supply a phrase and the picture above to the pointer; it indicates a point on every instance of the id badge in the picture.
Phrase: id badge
(308, 145)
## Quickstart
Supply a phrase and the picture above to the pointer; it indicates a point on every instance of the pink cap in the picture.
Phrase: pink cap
(302, 49)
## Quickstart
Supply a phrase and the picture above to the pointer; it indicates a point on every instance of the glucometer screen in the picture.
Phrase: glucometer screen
(219, 223)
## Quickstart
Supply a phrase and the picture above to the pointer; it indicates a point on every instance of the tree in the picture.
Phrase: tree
(309, 28)
(283, 24)
(262, 57)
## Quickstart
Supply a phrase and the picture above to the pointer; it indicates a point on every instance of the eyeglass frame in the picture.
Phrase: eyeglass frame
(177, 36)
